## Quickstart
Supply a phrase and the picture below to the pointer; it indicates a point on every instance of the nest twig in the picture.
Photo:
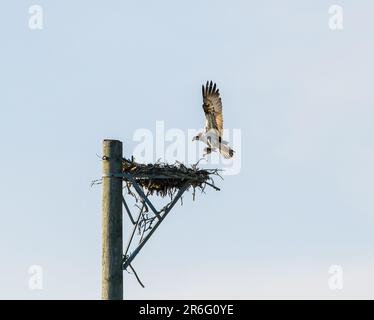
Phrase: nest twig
(165, 179)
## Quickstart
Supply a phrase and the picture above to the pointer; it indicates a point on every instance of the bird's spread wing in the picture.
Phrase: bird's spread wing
(212, 106)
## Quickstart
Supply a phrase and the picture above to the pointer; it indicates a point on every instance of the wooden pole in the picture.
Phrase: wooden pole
(112, 274)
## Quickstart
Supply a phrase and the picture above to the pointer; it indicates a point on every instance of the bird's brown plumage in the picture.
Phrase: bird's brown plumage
(212, 106)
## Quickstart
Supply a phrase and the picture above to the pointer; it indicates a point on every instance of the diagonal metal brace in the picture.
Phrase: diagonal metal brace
(130, 258)
(142, 194)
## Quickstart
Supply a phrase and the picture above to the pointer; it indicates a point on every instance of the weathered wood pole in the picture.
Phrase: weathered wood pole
(112, 274)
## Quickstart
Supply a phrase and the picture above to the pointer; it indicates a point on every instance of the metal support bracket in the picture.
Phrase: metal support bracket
(161, 215)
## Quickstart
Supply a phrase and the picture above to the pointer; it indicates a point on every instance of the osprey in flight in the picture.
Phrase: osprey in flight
(212, 134)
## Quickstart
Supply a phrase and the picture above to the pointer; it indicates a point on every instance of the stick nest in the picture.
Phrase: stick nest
(165, 179)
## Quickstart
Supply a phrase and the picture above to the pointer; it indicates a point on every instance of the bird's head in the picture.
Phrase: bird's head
(197, 137)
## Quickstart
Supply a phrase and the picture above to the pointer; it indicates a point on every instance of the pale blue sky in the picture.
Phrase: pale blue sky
(300, 93)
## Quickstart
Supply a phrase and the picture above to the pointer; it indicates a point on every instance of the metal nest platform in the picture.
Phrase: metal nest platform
(161, 179)
(165, 179)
